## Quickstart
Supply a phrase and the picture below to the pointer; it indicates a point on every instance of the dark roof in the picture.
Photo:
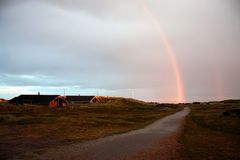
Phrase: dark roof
(34, 99)
(79, 98)
(3, 100)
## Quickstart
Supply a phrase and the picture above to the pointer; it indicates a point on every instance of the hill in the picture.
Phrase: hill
(39, 127)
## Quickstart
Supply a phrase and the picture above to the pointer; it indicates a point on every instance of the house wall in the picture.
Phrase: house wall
(58, 102)
(78, 102)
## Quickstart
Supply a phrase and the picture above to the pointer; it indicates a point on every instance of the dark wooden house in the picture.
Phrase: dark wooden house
(82, 99)
(50, 100)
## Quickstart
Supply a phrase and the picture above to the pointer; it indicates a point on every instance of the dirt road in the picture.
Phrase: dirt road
(119, 147)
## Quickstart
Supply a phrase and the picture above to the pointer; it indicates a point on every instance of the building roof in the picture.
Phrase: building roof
(3, 100)
(79, 98)
(34, 99)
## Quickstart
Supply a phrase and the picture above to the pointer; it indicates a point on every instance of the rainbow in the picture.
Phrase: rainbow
(169, 51)
(218, 81)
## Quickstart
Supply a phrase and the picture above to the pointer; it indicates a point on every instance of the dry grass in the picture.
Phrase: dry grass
(24, 128)
(212, 132)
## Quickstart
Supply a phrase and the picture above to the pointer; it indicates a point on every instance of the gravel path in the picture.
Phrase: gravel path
(120, 147)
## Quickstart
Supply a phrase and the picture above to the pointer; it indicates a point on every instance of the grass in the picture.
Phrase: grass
(212, 132)
(26, 128)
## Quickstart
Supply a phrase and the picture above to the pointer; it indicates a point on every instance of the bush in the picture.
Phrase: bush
(226, 113)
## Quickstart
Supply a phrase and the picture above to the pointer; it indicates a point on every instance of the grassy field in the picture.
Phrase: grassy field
(29, 128)
(212, 131)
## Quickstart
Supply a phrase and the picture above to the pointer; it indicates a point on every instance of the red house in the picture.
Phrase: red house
(49, 100)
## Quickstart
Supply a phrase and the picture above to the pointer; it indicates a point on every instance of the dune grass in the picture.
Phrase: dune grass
(212, 132)
(24, 128)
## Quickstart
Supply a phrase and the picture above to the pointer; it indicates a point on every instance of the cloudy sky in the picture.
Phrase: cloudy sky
(115, 48)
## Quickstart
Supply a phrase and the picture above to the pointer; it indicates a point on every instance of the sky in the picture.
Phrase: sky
(153, 50)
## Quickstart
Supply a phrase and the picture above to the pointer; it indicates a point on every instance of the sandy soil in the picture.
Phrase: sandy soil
(156, 141)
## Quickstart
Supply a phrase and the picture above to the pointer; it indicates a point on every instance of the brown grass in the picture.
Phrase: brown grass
(211, 134)
(24, 128)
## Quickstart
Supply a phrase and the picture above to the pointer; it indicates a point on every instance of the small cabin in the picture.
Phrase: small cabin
(82, 99)
(50, 100)
(2, 100)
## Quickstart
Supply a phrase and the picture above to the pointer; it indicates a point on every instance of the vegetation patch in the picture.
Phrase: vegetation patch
(211, 132)
(30, 128)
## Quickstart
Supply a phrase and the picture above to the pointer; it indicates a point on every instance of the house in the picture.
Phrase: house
(50, 100)
(82, 99)
(2, 100)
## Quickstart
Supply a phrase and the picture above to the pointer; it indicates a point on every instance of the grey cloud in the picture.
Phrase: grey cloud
(114, 45)
(127, 9)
